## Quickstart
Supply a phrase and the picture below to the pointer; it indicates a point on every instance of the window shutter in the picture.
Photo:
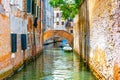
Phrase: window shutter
(13, 43)
(32, 6)
(28, 6)
(35, 8)
(23, 41)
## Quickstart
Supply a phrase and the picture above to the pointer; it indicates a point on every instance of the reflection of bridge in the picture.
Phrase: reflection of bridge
(62, 33)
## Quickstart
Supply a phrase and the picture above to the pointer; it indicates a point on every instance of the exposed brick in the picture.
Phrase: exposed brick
(103, 33)
(5, 60)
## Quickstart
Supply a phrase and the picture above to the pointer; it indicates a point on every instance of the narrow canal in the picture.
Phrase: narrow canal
(55, 64)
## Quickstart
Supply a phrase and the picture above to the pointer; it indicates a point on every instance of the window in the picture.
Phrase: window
(29, 6)
(71, 31)
(23, 41)
(34, 8)
(57, 23)
(57, 14)
(13, 43)
(69, 24)
(33, 11)
(62, 23)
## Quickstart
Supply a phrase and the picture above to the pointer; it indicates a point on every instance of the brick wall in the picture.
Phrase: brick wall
(100, 44)
(104, 31)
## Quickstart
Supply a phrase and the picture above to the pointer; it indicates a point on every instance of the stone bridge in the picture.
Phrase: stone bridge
(61, 33)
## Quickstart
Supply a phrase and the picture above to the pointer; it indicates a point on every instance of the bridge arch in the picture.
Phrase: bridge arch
(64, 34)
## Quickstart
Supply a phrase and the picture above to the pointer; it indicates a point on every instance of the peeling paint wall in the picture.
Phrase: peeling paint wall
(100, 37)
(76, 35)
(105, 36)
(81, 32)
(15, 19)
(18, 25)
(5, 48)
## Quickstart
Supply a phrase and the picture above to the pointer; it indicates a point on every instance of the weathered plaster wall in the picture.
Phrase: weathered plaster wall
(14, 19)
(18, 25)
(6, 6)
(103, 37)
(5, 48)
(76, 35)
(81, 32)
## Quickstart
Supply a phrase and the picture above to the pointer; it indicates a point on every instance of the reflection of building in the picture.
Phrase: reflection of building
(59, 22)
(48, 15)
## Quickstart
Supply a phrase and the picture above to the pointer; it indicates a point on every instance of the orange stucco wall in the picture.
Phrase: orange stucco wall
(0, 1)
(16, 21)
(5, 48)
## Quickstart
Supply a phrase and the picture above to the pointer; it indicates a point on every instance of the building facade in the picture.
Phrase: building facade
(21, 29)
(97, 37)
(59, 22)
(69, 25)
(48, 16)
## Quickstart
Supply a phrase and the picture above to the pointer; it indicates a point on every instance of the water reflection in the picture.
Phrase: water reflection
(55, 64)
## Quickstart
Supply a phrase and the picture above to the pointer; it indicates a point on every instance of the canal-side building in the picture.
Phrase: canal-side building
(97, 32)
(19, 33)
(48, 16)
(59, 22)
(69, 25)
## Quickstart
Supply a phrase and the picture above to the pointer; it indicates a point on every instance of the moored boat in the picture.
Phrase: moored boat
(67, 48)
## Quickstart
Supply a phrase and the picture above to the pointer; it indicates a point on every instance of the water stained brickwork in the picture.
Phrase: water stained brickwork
(104, 36)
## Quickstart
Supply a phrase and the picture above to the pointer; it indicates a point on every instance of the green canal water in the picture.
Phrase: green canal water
(55, 64)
